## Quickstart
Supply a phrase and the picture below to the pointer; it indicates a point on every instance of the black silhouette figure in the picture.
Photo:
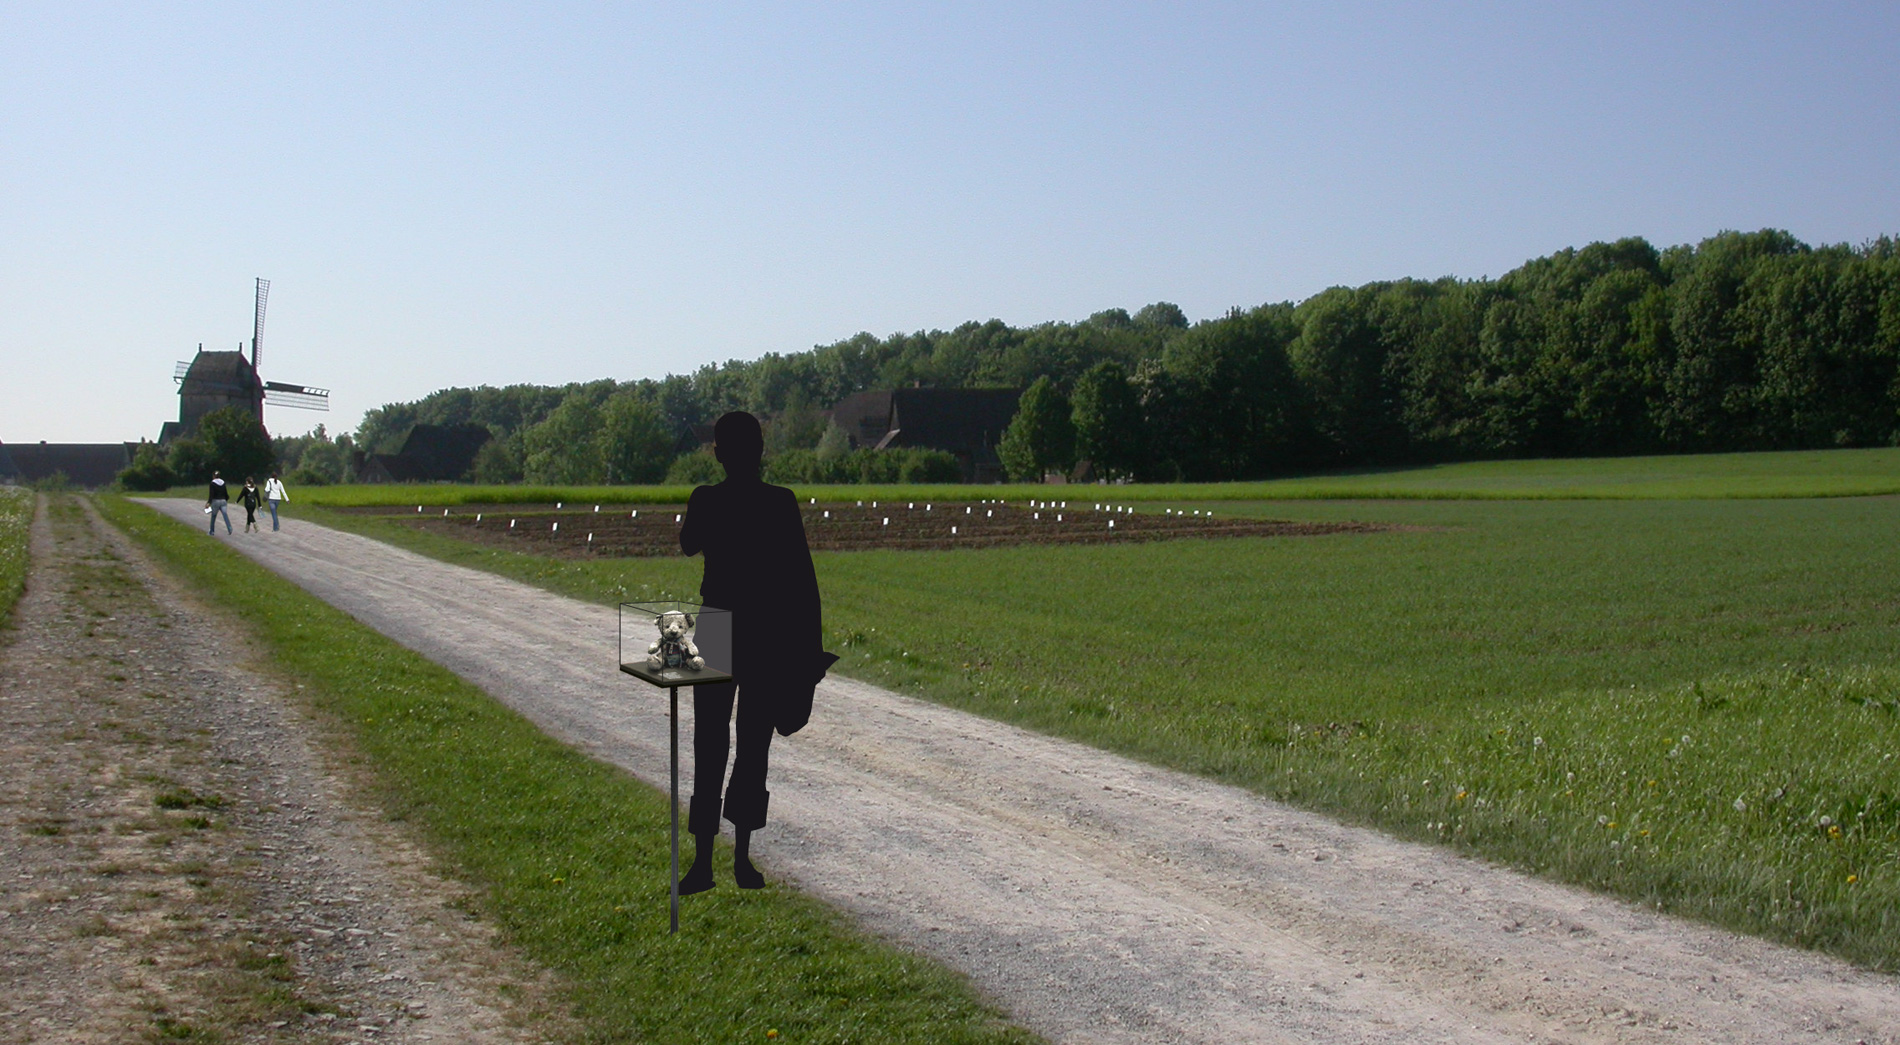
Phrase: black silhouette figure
(250, 498)
(759, 567)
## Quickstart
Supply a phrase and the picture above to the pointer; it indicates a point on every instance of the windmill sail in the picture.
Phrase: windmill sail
(257, 321)
(303, 397)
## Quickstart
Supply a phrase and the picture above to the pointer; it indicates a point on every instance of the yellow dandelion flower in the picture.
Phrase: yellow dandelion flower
(1852, 878)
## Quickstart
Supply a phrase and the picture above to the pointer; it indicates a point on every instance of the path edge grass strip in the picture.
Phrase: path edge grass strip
(16, 518)
(567, 854)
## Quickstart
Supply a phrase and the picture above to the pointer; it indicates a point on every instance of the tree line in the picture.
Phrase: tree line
(1745, 341)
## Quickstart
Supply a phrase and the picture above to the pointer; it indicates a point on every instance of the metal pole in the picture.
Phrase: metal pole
(674, 693)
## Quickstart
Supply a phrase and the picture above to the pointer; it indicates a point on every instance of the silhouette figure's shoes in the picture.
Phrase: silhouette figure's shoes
(745, 878)
(696, 882)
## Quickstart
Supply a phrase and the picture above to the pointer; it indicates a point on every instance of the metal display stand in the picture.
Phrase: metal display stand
(671, 679)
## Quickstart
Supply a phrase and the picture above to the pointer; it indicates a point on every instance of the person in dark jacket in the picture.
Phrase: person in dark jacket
(759, 567)
(250, 498)
(216, 501)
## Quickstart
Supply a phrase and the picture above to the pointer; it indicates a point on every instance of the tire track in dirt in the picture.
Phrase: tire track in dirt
(1098, 899)
(181, 856)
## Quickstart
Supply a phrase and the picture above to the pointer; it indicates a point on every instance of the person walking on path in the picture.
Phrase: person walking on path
(215, 503)
(758, 566)
(273, 492)
(250, 498)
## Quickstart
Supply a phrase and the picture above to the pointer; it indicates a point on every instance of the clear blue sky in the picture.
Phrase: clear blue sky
(488, 193)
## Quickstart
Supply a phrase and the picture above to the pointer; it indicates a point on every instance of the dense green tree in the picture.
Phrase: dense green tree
(564, 448)
(799, 424)
(1107, 421)
(327, 461)
(498, 462)
(230, 441)
(1340, 359)
(634, 442)
(1709, 401)
(835, 443)
(1164, 315)
(696, 467)
(1041, 437)
(1431, 334)
(314, 458)
(148, 471)
(1225, 403)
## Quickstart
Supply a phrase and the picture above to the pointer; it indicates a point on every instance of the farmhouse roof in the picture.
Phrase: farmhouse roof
(864, 416)
(445, 452)
(391, 468)
(967, 422)
(430, 454)
(960, 420)
(83, 464)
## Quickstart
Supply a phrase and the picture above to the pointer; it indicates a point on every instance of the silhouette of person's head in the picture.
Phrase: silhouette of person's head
(739, 444)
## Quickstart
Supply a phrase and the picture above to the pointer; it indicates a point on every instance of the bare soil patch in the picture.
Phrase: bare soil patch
(576, 531)
(187, 856)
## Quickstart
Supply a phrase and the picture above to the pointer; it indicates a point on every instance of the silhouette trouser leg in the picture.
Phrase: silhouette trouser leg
(746, 797)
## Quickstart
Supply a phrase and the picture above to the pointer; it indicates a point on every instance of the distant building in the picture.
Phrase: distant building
(429, 454)
(213, 381)
(90, 465)
(965, 422)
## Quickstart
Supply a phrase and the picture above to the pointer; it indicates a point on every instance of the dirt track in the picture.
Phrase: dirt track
(183, 855)
(1101, 900)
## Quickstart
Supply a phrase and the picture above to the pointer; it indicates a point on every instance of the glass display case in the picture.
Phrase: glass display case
(675, 643)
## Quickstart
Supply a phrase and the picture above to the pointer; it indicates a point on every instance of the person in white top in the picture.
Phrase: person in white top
(273, 492)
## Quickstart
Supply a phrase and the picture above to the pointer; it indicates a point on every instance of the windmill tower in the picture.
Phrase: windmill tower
(214, 380)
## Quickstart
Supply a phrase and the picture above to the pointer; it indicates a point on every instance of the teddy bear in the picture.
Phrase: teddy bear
(675, 649)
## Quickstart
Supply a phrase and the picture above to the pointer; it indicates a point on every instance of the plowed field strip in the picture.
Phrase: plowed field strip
(654, 530)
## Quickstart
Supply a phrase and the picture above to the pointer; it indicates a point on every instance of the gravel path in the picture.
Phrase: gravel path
(183, 857)
(1101, 900)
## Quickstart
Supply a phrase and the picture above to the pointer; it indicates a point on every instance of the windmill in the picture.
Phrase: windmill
(214, 380)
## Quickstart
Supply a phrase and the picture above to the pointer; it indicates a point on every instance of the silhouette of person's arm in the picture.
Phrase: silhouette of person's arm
(693, 530)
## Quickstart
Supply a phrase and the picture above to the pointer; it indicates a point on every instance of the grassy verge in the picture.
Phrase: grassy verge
(16, 515)
(571, 855)
(1805, 473)
(1514, 679)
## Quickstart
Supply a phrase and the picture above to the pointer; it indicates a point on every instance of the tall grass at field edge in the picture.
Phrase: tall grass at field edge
(16, 518)
(16, 521)
(570, 856)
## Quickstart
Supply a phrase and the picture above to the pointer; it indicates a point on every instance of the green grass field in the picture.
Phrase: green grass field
(1807, 473)
(1691, 703)
(16, 514)
(570, 855)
